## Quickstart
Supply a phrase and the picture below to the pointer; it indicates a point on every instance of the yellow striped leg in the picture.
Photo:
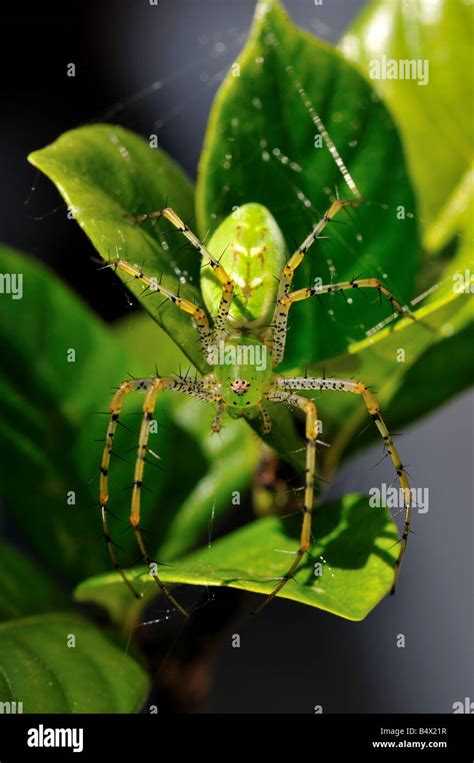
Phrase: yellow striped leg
(356, 283)
(148, 408)
(220, 321)
(267, 422)
(202, 389)
(285, 302)
(152, 284)
(309, 408)
(278, 331)
(224, 278)
(373, 407)
(217, 422)
(115, 409)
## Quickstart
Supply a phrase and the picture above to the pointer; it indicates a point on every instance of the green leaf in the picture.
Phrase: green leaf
(46, 401)
(355, 544)
(455, 217)
(40, 669)
(437, 133)
(104, 173)
(24, 588)
(260, 147)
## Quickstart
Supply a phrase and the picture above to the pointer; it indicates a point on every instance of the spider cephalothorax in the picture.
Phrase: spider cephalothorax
(247, 289)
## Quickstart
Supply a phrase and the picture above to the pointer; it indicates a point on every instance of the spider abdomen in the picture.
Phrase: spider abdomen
(250, 246)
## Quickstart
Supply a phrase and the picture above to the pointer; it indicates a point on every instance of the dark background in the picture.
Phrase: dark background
(291, 658)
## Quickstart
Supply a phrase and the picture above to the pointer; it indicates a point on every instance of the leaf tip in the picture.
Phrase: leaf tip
(264, 8)
(32, 158)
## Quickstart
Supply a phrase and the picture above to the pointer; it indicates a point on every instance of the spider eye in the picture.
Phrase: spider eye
(239, 386)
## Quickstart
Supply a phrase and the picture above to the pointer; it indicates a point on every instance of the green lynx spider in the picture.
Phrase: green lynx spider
(251, 273)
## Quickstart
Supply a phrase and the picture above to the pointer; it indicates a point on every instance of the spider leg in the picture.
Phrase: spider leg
(267, 422)
(278, 330)
(217, 421)
(224, 279)
(223, 310)
(148, 408)
(309, 408)
(284, 303)
(201, 389)
(115, 410)
(373, 408)
(186, 305)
